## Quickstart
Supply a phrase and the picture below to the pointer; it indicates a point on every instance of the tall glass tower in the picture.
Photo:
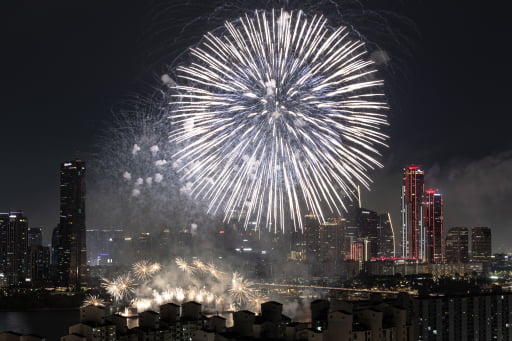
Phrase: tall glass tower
(413, 234)
(69, 245)
(433, 225)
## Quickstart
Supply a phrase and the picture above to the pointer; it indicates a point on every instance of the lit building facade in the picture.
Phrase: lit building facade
(457, 245)
(68, 240)
(413, 234)
(39, 265)
(433, 226)
(14, 249)
(461, 318)
(481, 244)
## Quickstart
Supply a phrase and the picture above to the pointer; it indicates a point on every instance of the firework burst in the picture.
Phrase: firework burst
(241, 289)
(205, 284)
(120, 287)
(276, 109)
(183, 265)
(144, 269)
(93, 300)
(199, 265)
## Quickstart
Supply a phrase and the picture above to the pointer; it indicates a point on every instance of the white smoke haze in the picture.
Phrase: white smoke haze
(477, 194)
(137, 143)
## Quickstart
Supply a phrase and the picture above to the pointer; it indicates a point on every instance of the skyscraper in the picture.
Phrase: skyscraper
(433, 225)
(457, 245)
(481, 244)
(14, 248)
(386, 238)
(368, 223)
(413, 234)
(68, 240)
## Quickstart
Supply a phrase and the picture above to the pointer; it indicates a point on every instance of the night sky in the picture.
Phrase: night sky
(67, 66)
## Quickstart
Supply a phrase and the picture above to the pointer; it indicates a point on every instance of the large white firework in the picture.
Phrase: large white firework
(276, 110)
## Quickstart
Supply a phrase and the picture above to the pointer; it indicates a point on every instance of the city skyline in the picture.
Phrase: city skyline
(466, 155)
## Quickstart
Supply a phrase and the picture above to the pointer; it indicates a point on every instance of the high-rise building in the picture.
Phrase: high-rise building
(35, 236)
(39, 265)
(368, 222)
(481, 244)
(413, 234)
(457, 245)
(386, 239)
(483, 316)
(433, 225)
(68, 240)
(14, 248)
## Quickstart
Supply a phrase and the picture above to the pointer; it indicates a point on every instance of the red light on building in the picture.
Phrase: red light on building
(413, 243)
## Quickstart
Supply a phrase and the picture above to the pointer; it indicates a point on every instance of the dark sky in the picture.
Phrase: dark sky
(65, 66)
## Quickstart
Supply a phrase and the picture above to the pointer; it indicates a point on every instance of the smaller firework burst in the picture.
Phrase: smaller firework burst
(141, 304)
(168, 295)
(155, 267)
(144, 269)
(212, 269)
(93, 300)
(120, 287)
(257, 299)
(183, 265)
(241, 289)
(179, 293)
(199, 265)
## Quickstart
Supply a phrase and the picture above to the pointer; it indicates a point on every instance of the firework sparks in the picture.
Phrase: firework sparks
(155, 267)
(198, 264)
(141, 304)
(241, 289)
(183, 265)
(179, 294)
(279, 110)
(120, 287)
(216, 291)
(93, 300)
(216, 273)
(144, 269)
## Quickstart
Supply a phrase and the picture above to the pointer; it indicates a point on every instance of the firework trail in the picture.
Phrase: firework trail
(274, 110)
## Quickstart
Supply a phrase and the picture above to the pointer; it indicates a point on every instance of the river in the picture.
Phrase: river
(52, 324)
